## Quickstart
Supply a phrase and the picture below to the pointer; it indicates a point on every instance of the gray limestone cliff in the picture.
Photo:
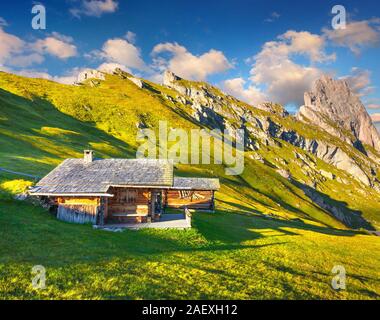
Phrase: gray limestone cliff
(331, 107)
(334, 107)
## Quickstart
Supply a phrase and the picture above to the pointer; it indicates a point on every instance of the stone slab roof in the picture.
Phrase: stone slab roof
(196, 183)
(75, 176)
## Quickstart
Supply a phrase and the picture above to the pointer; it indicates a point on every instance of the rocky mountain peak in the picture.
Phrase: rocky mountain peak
(334, 107)
(169, 78)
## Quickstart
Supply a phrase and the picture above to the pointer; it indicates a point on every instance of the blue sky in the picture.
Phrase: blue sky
(256, 50)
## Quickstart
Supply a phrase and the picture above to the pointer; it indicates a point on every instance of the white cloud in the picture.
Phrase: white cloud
(25, 60)
(109, 67)
(375, 117)
(16, 55)
(131, 37)
(33, 74)
(30, 73)
(273, 16)
(306, 43)
(156, 77)
(15, 52)
(237, 88)
(123, 53)
(360, 81)
(187, 65)
(372, 103)
(62, 37)
(3, 22)
(285, 80)
(275, 76)
(94, 8)
(70, 77)
(356, 36)
(119, 53)
(57, 45)
(10, 45)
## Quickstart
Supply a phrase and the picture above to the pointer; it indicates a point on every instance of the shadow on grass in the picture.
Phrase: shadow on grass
(337, 209)
(23, 144)
(33, 235)
(226, 227)
(239, 208)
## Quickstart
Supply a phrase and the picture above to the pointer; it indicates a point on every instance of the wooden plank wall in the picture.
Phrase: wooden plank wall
(78, 210)
(121, 202)
(190, 199)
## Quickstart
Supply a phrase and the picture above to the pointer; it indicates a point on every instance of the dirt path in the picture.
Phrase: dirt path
(19, 173)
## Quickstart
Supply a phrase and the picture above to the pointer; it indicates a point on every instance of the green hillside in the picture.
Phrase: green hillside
(42, 123)
(267, 239)
(224, 256)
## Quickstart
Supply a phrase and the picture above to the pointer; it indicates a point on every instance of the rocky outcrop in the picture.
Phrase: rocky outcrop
(284, 173)
(324, 150)
(90, 74)
(120, 73)
(207, 107)
(332, 106)
(273, 108)
(137, 82)
(216, 110)
(170, 78)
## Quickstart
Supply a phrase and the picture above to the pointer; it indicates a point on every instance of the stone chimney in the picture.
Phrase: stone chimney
(88, 156)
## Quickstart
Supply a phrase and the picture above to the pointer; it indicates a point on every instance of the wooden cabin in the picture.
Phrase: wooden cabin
(101, 191)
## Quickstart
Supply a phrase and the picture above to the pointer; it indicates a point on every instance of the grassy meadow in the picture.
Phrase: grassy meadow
(224, 256)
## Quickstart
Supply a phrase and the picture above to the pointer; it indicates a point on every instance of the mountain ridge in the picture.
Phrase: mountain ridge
(361, 167)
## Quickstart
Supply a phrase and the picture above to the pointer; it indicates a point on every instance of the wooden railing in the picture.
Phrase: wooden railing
(188, 215)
